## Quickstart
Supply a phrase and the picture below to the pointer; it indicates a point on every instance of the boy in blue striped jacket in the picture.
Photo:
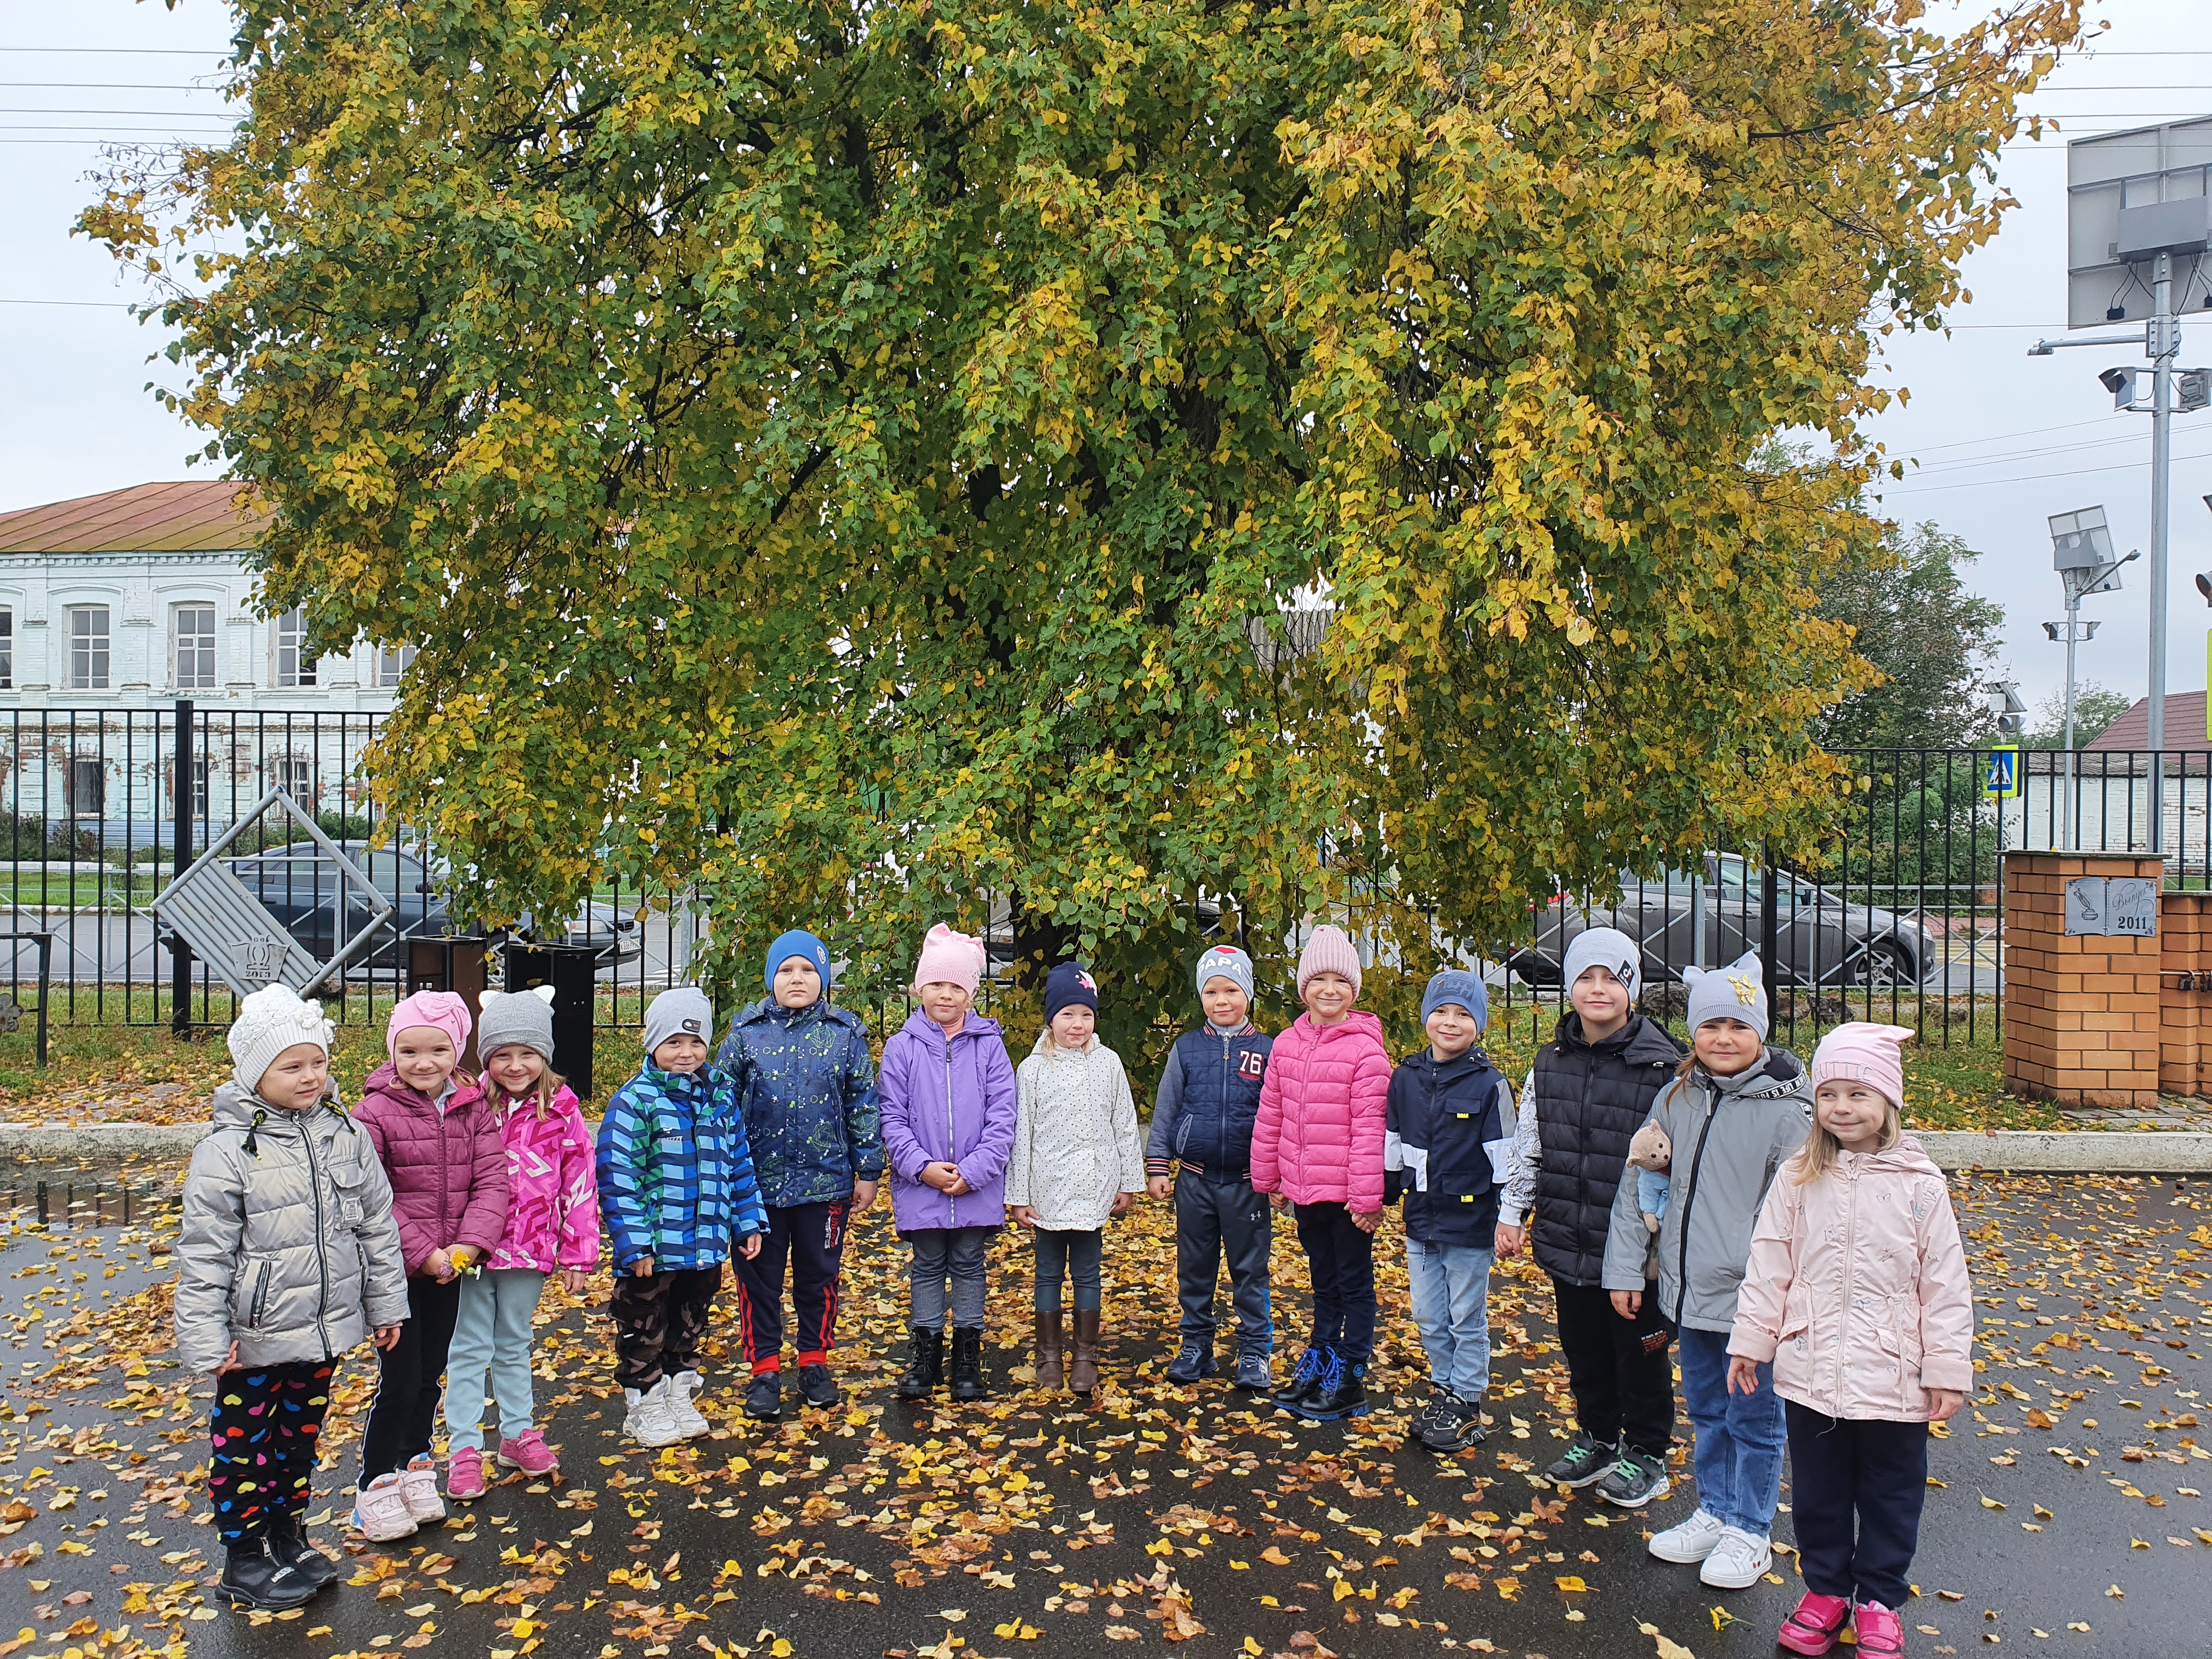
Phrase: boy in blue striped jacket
(676, 1193)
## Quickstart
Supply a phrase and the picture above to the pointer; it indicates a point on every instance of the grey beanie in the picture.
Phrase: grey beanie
(1608, 948)
(516, 1017)
(680, 1011)
(1226, 962)
(1736, 991)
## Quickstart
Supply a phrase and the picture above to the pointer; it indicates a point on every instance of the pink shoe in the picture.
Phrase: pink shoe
(528, 1452)
(464, 1476)
(1880, 1632)
(1816, 1624)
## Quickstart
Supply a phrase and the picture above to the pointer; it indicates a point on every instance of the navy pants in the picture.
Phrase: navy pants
(1216, 1218)
(1063, 1255)
(1341, 1258)
(267, 1422)
(1874, 1474)
(812, 1238)
(409, 1379)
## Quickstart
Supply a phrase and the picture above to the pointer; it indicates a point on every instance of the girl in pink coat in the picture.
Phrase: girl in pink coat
(1317, 1150)
(1857, 1292)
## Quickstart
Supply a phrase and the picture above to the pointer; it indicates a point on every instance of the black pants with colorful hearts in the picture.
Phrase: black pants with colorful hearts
(267, 1425)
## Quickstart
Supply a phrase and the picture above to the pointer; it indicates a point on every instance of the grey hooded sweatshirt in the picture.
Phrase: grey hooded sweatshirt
(289, 1247)
(1730, 1134)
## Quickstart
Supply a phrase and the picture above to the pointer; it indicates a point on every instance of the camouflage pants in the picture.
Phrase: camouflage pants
(661, 1320)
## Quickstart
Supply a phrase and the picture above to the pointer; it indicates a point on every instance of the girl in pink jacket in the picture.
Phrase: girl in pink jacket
(552, 1227)
(1317, 1150)
(1857, 1292)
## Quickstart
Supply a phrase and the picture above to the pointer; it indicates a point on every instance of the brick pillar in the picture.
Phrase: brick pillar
(2184, 952)
(2081, 1013)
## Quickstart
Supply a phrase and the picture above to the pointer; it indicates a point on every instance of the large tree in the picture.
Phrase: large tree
(1933, 641)
(838, 453)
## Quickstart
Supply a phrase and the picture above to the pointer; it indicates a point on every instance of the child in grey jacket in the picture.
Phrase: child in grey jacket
(289, 1257)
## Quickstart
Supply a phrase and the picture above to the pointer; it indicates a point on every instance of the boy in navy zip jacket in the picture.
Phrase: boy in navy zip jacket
(1447, 1138)
(1202, 1118)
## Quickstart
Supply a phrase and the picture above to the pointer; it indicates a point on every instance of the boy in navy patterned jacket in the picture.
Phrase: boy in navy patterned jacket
(676, 1191)
(1202, 1117)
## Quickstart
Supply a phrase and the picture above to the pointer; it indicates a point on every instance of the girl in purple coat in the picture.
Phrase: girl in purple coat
(947, 1089)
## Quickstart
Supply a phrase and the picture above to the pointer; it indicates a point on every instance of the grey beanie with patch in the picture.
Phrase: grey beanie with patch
(1737, 992)
(681, 1010)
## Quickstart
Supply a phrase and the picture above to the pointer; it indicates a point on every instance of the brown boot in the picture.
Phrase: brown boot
(1083, 1376)
(1049, 1374)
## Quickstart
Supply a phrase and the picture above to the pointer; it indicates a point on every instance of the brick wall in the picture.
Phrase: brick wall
(2184, 1045)
(2083, 1024)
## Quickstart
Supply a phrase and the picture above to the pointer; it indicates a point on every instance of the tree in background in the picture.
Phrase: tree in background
(840, 456)
(2095, 708)
(1935, 643)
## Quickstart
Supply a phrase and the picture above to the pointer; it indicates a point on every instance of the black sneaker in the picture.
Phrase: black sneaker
(1633, 1480)
(764, 1397)
(817, 1387)
(1450, 1424)
(1586, 1462)
(1194, 1360)
(1430, 1423)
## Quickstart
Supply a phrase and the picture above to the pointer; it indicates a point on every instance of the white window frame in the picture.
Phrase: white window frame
(91, 663)
(290, 773)
(7, 647)
(392, 663)
(294, 669)
(203, 647)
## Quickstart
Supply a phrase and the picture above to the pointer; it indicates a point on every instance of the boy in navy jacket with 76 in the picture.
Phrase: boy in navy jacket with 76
(1202, 1117)
(1448, 1132)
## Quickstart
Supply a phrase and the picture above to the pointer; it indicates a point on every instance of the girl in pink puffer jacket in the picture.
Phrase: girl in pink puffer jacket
(1317, 1149)
(1857, 1292)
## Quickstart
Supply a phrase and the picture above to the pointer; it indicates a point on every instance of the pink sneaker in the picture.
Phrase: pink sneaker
(528, 1452)
(1880, 1632)
(1816, 1624)
(464, 1476)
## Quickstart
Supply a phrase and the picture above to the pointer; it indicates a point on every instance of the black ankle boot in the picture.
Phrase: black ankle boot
(254, 1577)
(967, 1364)
(925, 1365)
(288, 1542)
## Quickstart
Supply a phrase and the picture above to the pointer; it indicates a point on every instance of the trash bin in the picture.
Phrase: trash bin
(573, 972)
(454, 964)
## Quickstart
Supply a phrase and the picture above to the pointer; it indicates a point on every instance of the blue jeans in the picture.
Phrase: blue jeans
(1062, 1255)
(492, 1333)
(1452, 1304)
(1740, 1436)
(943, 1254)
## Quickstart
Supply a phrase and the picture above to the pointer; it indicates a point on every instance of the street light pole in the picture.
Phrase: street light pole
(2081, 551)
(2165, 345)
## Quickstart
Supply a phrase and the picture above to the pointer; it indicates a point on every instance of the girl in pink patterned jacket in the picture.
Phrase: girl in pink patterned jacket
(552, 1226)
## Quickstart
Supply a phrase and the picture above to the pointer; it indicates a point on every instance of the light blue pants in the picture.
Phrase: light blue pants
(491, 1334)
(1451, 1305)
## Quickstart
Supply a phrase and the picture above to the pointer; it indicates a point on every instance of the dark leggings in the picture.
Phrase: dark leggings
(408, 1377)
(268, 1420)
(1843, 1470)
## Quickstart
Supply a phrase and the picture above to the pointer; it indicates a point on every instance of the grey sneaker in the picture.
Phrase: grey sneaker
(1192, 1362)
(1633, 1480)
(1587, 1461)
(1253, 1372)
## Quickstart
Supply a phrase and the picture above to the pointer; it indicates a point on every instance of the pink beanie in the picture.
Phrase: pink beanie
(1330, 951)
(444, 1010)
(949, 957)
(1860, 1053)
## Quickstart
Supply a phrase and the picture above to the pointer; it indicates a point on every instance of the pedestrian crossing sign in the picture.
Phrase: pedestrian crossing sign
(2001, 775)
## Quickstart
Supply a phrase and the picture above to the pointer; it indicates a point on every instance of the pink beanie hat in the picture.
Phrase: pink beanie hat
(1330, 951)
(953, 958)
(1860, 1053)
(444, 1010)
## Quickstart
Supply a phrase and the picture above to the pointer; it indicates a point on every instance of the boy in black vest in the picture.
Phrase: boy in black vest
(1590, 1091)
(1202, 1117)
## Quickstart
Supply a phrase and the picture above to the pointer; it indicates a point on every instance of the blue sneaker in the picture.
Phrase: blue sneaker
(1254, 1373)
(1303, 1379)
(1194, 1360)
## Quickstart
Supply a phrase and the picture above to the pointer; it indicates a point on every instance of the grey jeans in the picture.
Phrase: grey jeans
(943, 1254)
(1214, 1220)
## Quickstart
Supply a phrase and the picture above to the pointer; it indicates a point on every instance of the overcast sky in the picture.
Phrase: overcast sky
(2002, 440)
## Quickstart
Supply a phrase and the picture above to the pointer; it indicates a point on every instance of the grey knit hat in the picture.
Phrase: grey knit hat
(516, 1017)
(1226, 962)
(1736, 991)
(680, 1011)
(1608, 948)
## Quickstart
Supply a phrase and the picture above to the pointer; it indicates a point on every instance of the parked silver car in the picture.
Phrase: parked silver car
(1819, 938)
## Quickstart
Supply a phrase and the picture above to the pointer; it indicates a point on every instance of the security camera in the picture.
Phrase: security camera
(2205, 585)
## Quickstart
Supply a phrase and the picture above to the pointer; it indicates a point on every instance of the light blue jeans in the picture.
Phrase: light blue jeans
(1452, 1304)
(1740, 1436)
(491, 1334)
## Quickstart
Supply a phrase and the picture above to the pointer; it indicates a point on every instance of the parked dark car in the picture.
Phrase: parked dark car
(1819, 938)
(298, 886)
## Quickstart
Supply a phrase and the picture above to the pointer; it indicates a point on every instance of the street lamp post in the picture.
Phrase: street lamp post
(2081, 552)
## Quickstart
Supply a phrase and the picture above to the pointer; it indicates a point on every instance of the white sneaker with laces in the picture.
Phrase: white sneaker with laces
(380, 1512)
(1737, 1562)
(690, 1421)
(418, 1482)
(653, 1423)
(1689, 1541)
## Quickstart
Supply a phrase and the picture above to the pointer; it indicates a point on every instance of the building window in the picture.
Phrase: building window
(88, 786)
(391, 664)
(294, 667)
(295, 776)
(192, 647)
(87, 647)
(7, 647)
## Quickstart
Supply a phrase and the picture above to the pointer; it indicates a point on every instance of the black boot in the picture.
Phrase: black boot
(925, 1367)
(255, 1577)
(1341, 1392)
(288, 1542)
(967, 1364)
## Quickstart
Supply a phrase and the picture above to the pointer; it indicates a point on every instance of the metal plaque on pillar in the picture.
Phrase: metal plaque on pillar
(2113, 906)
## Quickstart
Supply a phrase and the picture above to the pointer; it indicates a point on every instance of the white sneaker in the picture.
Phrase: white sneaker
(690, 1421)
(1689, 1541)
(653, 1423)
(418, 1482)
(381, 1513)
(1737, 1562)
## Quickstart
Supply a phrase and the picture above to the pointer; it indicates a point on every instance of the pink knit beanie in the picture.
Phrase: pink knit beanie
(953, 958)
(444, 1010)
(1330, 951)
(1860, 1053)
